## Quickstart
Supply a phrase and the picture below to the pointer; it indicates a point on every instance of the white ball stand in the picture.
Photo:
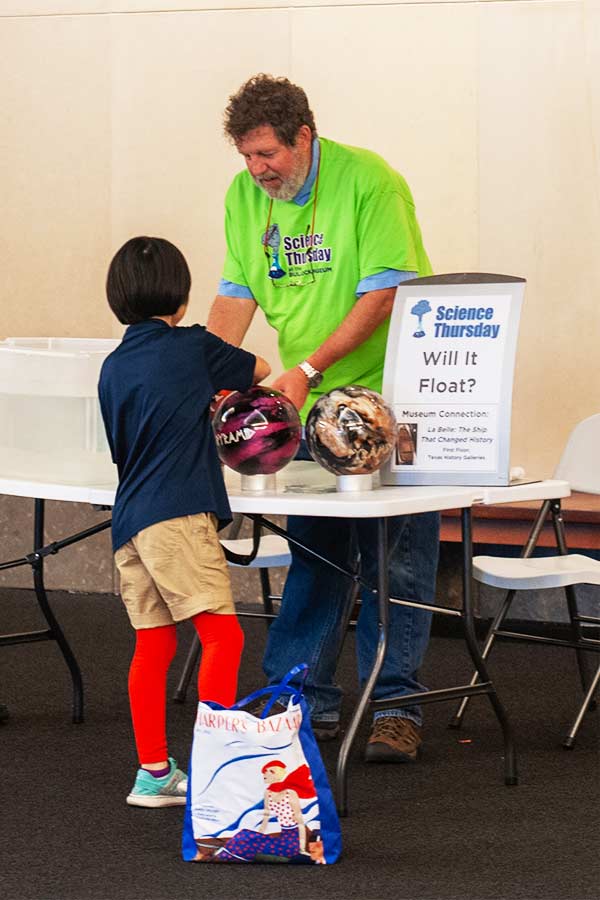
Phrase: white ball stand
(258, 483)
(354, 482)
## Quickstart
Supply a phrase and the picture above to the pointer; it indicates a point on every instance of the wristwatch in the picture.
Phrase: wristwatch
(313, 376)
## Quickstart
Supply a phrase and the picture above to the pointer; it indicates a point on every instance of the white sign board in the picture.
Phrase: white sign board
(448, 377)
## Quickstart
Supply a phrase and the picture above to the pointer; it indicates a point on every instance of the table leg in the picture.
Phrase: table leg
(383, 594)
(55, 631)
(510, 765)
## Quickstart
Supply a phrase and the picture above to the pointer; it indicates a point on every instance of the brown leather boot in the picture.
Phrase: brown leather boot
(393, 739)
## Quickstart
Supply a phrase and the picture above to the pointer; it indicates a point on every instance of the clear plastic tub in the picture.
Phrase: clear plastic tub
(50, 423)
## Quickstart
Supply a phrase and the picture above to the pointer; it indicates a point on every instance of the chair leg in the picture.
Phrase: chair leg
(456, 720)
(547, 506)
(348, 620)
(582, 658)
(235, 527)
(355, 601)
(569, 741)
(267, 597)
(561, 541)
(188, 670)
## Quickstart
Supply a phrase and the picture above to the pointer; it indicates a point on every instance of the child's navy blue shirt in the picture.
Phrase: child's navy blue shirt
(155, 389)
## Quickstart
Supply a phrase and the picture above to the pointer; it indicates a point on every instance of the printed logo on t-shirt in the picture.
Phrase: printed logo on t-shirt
(298, 258)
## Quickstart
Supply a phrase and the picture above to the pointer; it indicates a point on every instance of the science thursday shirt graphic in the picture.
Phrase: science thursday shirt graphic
(364, 223)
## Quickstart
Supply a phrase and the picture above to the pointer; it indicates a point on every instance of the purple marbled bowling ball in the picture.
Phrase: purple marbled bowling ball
(257, 432)
(351, 430)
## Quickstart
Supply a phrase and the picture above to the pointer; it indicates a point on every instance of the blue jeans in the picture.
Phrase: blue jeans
(317, 602)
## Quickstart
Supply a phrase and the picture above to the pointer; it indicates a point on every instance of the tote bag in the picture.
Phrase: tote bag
(257, 787)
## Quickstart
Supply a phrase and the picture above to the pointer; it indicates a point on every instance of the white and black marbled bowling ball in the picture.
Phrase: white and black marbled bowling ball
(351, 430)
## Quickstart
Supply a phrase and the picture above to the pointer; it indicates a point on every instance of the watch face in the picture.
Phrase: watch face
(313, 376)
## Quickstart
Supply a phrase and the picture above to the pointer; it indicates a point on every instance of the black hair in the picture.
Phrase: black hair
(265, 100)
(147, 277)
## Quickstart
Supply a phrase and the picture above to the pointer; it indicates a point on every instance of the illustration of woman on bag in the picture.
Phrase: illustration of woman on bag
(282, 802)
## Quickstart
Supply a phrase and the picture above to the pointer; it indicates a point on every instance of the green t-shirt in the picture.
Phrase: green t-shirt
(365, 223)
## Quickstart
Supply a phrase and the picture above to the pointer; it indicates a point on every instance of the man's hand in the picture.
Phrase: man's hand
(294, 384)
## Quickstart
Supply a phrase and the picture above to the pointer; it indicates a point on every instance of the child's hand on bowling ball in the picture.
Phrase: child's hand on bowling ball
(216, 400)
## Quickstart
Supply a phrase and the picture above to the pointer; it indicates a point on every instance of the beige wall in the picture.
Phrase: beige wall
(111, 126)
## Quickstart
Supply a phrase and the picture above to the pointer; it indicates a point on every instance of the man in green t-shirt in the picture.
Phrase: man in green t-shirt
(319, 235)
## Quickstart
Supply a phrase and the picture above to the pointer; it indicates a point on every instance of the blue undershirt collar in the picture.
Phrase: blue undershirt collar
(302, 197)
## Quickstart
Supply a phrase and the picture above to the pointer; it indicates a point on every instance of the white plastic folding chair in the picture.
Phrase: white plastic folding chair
(579, 466)
(273, 552)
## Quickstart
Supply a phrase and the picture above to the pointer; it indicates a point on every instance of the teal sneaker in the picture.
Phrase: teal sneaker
(170, 790)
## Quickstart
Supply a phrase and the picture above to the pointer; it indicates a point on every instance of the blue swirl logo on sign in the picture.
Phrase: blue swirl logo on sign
(419, 310)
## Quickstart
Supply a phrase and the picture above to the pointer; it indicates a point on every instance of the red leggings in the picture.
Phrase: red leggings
(222, 642)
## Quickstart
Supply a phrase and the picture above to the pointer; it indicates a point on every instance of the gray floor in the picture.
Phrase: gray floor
(445, 828)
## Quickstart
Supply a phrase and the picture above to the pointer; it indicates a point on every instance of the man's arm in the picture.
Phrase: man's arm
(230, 317)
(366, 315)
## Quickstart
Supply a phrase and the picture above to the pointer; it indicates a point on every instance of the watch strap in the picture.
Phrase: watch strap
(313, 375)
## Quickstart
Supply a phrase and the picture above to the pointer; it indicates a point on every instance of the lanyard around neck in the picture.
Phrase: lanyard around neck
(314, 212)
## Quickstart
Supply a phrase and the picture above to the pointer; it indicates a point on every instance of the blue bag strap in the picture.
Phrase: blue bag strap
(276, 689)
(284, 683)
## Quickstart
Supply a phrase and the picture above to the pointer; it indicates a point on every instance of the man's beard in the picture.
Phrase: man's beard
(289, 186)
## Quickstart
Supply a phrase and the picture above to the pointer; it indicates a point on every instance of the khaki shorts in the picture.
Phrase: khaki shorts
(173, 570)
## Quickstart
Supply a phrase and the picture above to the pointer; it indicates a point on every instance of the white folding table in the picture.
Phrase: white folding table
(304, 488)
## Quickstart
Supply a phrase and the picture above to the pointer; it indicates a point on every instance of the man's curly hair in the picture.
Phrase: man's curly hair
(265, 100)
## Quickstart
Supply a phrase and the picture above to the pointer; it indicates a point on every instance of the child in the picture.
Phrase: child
(155, 391)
